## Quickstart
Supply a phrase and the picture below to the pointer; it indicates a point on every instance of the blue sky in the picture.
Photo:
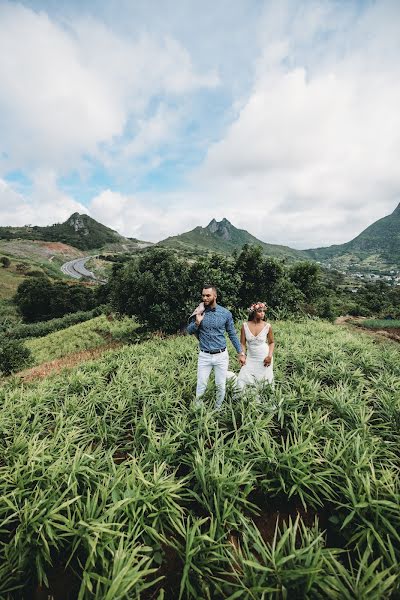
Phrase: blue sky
(154, 117)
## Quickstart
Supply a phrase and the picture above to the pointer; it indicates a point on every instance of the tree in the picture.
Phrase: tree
(287, 297)
(33, 299)
(379, 298)
(274, 273)
(154, 288)
(250, 265)
(82, 297)
(306, 277)
(260, 276)
(219, 271)
(38, 299)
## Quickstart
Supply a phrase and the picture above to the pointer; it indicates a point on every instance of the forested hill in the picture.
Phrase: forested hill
(380, 240)
(222, 236)
(80, 231)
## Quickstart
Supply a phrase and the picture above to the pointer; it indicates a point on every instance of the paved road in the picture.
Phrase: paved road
(76, 269)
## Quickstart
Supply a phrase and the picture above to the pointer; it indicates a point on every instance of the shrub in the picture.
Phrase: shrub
(35, 273)
(5, 261)
(33, 330)
(39, 299)
(13, 356)
(22, 268)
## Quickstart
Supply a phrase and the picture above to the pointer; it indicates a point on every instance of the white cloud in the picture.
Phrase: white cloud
(309, 157)
(67, 89)
(313, 155)
(141, 217)
(46, 204)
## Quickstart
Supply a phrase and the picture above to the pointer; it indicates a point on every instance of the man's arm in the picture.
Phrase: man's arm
(192, 327)
(230, 328)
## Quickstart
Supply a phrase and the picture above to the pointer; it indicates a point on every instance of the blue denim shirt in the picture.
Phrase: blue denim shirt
(211, 332)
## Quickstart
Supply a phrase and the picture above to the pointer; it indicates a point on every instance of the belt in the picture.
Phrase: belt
(214, 351)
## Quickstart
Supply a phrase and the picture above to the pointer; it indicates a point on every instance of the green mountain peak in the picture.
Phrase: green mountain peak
(222, 236)
(379, 242)
(80, 231)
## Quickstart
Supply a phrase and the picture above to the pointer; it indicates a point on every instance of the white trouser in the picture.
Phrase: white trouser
(219, 362)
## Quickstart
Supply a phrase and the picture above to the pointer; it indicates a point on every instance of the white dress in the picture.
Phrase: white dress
(254, 370)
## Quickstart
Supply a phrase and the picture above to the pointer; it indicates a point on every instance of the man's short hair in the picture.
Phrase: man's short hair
(208, 286)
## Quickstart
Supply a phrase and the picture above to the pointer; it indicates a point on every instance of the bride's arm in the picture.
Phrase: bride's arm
(243, 344)
(271, 346)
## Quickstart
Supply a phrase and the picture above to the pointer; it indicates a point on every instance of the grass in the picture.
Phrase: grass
(91, 334)
(8, 313)
(35, 255)
(9, 282)
(10, 278)
(111, 482)
(381, 323)
(101, 268)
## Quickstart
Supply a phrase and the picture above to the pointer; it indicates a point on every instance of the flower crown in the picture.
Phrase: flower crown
(257, 306)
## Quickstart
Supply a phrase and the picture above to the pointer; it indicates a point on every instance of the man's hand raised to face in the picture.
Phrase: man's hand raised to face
(199, 318)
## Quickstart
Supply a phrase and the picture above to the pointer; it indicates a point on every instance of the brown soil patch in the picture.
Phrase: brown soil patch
(391, 333)
(171, 572)
(268, 521)
(55, 366)
(275, 512)
(343, 319)
(63, 585)
(59, 247)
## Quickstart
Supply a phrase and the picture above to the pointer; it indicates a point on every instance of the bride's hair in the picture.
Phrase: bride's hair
(253, 309)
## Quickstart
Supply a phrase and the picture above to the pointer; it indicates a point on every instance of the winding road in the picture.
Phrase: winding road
(76, 269)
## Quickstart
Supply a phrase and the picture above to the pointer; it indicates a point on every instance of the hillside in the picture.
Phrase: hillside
(222, 236)
(80, 231)
(378, 245)
(27, 256)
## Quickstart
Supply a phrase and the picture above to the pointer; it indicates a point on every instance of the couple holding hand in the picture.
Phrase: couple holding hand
(209, 322)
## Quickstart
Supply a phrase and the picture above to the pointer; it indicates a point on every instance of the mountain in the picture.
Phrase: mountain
(378, 245)
(80, 231)
(222, 236)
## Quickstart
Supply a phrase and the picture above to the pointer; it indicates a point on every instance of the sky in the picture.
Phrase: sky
(154, 117)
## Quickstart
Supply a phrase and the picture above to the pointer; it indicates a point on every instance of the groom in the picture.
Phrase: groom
(209, 323)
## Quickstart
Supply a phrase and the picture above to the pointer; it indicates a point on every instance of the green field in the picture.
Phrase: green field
(9, 282)
(113, 487)
(380, 323)
(83, 336)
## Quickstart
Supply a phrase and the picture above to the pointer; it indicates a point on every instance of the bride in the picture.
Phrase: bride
(257, 342)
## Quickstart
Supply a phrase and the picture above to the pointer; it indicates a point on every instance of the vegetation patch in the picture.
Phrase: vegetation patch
(94, 333)
(114, 486)
(66, 362)
(42, 328)
(389, 328)
(381, 323)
